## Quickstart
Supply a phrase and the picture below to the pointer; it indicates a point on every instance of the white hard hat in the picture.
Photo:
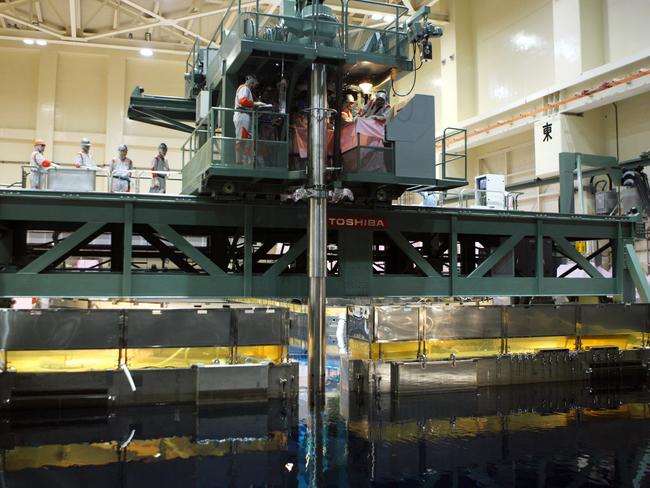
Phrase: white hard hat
(349, 98)
(122, 147)
(382, 95)
(85, 142)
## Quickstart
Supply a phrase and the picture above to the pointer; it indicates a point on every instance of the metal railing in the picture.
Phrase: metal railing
(364, 158)
(492, 199)
(317, 27)
(453, 147)
(267, 146)
(136, 176)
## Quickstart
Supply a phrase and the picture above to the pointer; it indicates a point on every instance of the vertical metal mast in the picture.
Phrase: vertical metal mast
(317, 231)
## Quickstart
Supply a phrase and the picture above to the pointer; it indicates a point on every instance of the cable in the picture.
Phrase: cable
(415, 74)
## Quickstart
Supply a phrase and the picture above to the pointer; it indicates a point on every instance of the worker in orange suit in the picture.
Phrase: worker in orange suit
(347, 114)
(38, 166)
(242, 119)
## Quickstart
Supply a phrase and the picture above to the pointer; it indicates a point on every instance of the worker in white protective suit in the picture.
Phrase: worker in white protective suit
(159, 170)
(121, 169)
(378, 109)
(242, 120)
(83, 159)
(38, 166)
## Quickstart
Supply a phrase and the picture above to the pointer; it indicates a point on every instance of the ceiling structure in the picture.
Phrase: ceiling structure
(162, 25)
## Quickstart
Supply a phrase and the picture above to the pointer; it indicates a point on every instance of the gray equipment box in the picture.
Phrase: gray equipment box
(71, 179)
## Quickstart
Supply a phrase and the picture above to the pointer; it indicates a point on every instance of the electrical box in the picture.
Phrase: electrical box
(489, 191)
(202, 104)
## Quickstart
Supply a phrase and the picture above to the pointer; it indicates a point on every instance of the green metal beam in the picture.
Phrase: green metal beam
(186, 248)
(497, 255)
(636, 273)
(81, 235)
(570, 252)
(287, 258)
(128, 249)
(411, 252)
(270, 222)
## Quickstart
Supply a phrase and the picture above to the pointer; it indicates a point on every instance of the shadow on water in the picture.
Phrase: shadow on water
(546, 435)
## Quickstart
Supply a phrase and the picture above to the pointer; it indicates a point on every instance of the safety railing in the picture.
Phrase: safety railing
(136, 177)
(371, 156)
(453, 154)
(266, 147)
(492, 199)
(318, 26)
(192, 60)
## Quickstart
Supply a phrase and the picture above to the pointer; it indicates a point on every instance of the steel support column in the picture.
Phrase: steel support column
(317, 231)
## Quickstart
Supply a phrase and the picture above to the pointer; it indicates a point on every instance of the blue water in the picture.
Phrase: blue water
(547, 435)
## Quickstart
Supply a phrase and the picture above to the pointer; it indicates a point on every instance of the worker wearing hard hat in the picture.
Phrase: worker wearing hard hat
(242, 120)
(347, 114)
(83, 159)
(159, 170)
(378, 109)
(38, 166)
(121, 169)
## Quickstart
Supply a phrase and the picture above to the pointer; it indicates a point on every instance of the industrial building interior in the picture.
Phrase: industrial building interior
(333, 243)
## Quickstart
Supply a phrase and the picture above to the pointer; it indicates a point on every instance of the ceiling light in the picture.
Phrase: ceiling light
(146, 52)
(389, 18)
(29, 42)
(41, 42)
(377, 17)
(366, 88)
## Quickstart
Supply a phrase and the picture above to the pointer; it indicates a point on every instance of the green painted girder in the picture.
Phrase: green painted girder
(390, 179)
(167, 215)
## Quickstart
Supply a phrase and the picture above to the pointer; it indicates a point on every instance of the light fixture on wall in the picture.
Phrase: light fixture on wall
(29, 42)
(377, 16)
(41, 42)
(389, 18)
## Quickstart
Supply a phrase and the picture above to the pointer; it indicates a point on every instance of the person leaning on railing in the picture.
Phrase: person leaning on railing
(83, 159)
(120, 171)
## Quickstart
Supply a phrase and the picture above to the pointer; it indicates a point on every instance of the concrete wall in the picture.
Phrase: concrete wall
(626, 28)
(514, 50)
(62, 94)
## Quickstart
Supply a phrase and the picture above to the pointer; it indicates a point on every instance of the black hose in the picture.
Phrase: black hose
(415, 74)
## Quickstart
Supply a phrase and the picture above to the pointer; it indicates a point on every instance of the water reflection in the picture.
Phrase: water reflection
(547, 435)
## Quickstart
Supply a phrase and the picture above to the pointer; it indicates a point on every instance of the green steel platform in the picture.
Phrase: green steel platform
(57, 244)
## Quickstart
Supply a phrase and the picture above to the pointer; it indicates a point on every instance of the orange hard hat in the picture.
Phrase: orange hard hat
(39, 142)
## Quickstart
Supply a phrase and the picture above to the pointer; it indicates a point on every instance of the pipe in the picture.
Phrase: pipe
(129, 378)
(581, 195)
(550, 106)
(317, 232)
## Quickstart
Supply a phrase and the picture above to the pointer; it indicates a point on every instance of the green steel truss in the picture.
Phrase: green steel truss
(103, 245)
